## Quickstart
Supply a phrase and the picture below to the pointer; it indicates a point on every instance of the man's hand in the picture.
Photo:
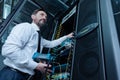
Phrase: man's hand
(42, 67)
(70, 35)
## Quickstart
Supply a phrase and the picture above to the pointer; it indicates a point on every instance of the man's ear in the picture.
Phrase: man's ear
(33, 17)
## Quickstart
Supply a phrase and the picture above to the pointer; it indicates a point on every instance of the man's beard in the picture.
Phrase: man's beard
(40, 24)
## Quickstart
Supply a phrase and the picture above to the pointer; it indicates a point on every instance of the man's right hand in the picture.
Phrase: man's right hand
(42, 67)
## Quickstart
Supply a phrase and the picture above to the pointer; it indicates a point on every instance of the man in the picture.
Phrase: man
(20, 46)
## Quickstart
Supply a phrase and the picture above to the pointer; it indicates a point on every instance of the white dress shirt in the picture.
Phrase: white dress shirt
(21, 44)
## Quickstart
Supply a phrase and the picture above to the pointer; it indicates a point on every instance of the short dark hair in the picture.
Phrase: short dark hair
(37, 10)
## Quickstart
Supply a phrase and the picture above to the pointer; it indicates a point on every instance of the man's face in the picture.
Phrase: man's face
(40, 18)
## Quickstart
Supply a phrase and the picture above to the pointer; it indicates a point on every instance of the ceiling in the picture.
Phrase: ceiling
(55, 7)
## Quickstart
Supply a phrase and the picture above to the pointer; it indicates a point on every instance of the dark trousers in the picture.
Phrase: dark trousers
(37, 76)
(8, 73)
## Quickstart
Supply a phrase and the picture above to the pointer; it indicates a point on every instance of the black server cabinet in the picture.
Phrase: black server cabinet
(97, 51)
(88, 61)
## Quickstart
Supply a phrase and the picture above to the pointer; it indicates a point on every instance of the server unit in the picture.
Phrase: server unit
(88, 63)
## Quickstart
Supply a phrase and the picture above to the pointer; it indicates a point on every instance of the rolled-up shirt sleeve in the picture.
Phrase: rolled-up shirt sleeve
(15, 48)
(53, 43)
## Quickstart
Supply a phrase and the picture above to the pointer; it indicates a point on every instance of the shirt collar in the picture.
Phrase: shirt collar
(35, 26)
